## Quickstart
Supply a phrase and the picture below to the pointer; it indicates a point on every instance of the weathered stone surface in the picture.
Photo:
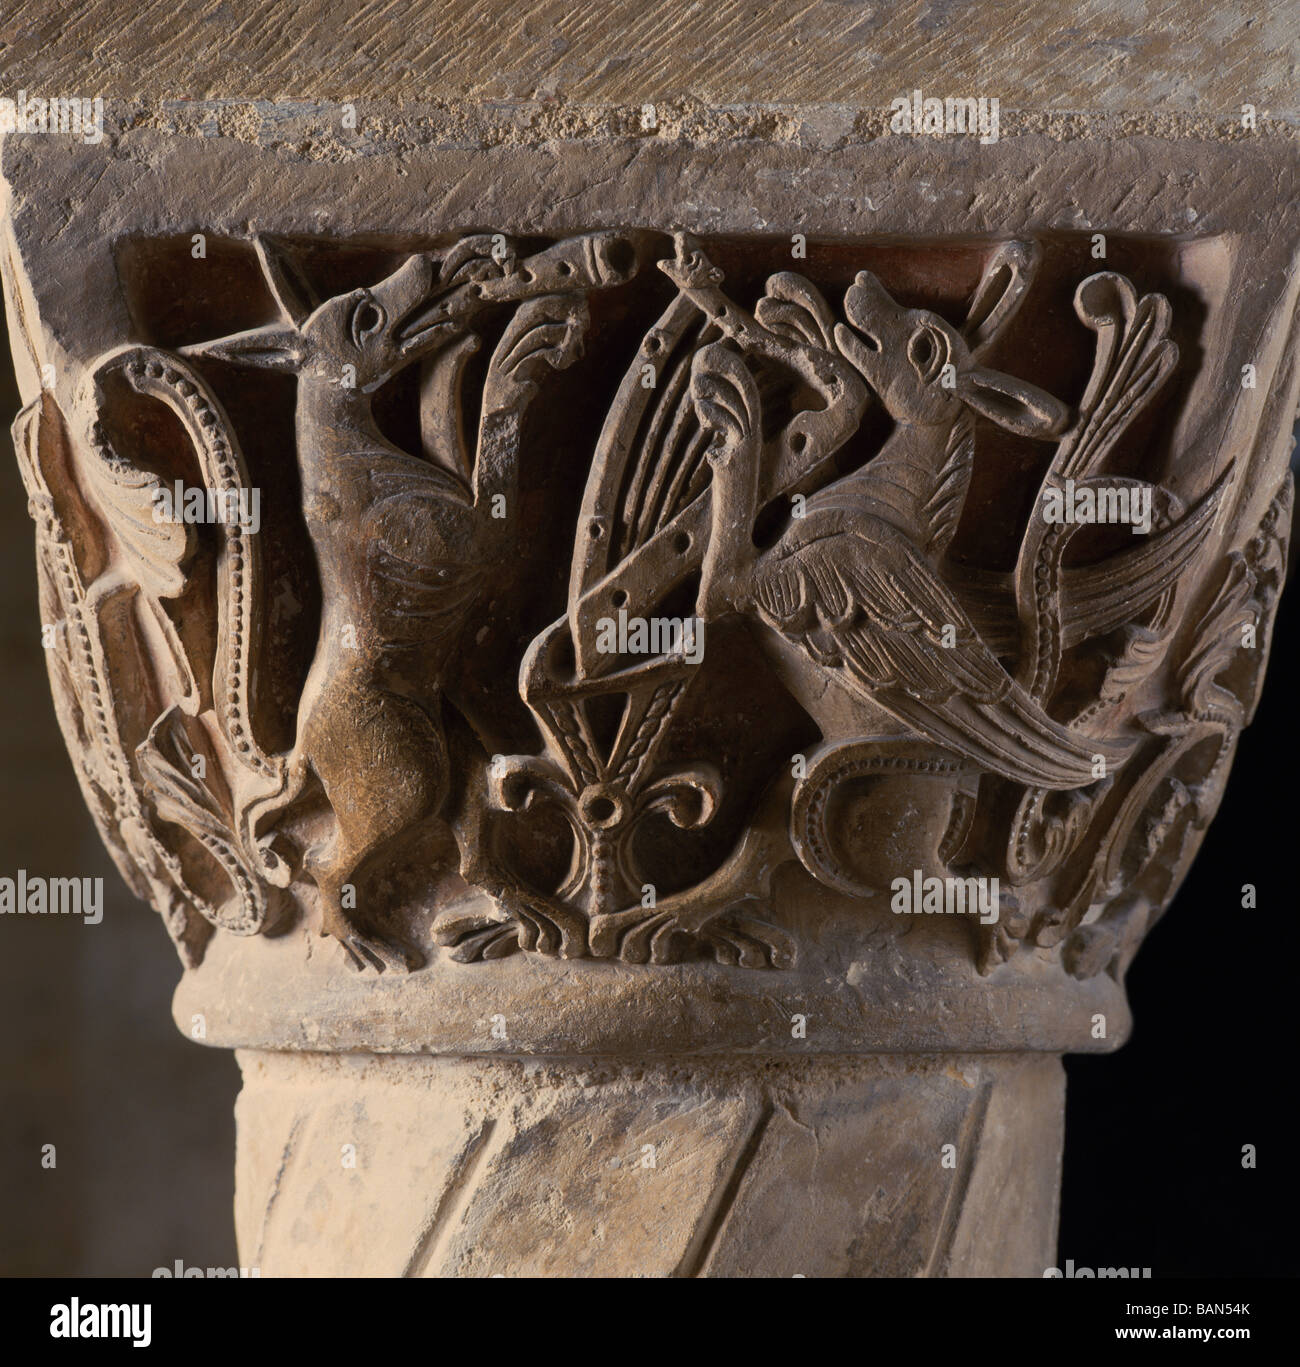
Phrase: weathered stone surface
(384, 1166)
(1089, 56)
(956, 463)
(1222, 471)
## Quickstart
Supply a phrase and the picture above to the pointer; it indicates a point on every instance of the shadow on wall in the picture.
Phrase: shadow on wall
(140, 1119)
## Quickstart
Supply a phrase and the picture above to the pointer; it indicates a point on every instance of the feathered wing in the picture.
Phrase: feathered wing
(870, 607)
(1099, 597)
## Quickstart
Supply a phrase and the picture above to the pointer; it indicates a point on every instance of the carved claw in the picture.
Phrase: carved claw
(514, 923)
(471, 938)
(732, 937)
(743, 941)
(376, 951)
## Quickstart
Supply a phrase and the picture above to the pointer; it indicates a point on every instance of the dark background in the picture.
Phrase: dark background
(142, 1119)
(1154, 1133)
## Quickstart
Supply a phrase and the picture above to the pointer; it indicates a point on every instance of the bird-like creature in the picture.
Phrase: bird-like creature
(852, 583)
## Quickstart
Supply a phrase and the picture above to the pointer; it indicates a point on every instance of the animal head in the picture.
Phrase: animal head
(376, 330)
(424, 304)
(924, 370)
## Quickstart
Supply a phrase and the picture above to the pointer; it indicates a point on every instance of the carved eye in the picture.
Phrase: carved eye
(925, 352)
(367, 318)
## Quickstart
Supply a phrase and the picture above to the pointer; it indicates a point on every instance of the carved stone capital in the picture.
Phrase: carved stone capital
(690, 648)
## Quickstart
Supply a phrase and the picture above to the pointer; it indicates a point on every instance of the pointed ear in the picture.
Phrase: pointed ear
(278, 346)
(1001, 290)
(1015, 405)
(292, 291)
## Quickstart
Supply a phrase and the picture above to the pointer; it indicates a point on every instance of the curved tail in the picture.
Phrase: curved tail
(1013, 737)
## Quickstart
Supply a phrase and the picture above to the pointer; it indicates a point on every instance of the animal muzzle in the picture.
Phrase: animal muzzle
(589, 262)
(870, 307)
(409, 295)
(611, 258)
